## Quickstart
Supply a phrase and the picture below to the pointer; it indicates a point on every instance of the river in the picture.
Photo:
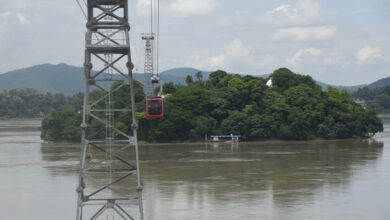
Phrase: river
(336, 179)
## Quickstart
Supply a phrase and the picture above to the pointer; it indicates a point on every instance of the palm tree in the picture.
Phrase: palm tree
(199, 76)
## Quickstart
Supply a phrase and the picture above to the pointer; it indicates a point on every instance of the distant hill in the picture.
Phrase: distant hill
(380, 83)
(59, 78)
(63, 78)
(350, 89)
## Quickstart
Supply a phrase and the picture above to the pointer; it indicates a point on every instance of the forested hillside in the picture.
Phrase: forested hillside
(378, 99)
(295, 108)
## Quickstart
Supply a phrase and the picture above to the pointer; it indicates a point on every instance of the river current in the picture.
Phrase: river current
(327, 179)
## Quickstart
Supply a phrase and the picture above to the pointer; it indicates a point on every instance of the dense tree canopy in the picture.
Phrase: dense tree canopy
(295, 108)
(27, 103)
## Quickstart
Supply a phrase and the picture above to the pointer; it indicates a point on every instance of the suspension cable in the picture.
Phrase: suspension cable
(82, 10)
(158, 36)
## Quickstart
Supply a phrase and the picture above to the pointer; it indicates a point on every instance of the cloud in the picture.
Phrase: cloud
(179, 8)
(239, 20)
(335, 60)
(368, 53)
(302, 13)
(143, 6)
(237, 49)
(216, 61)
(5, 14)
(304, 56)
(22, 19)
(304, 33)
(191, 7)
(231, 53)
(232, 57)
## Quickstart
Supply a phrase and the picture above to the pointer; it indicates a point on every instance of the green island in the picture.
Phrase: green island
(294, 108)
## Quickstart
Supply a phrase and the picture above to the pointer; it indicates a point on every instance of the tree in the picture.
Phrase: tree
(199, 76)
(216, 77)
(189, 80)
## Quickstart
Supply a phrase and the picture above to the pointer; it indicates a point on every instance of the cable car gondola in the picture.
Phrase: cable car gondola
(154, 107)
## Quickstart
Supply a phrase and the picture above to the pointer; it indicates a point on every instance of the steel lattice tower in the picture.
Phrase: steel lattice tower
(109, 183)
(148, 65)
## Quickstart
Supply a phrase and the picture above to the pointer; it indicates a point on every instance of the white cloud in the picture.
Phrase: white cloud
(237, 20)
(368, 53)
(234, 50)
(237, 49)
(179, 8)
(192, 7)
(232, 57)
(201, 62)
(302, 13)
(143, 6)
(304, 33)
(216, 61)
(304, 56)
(22, 19)
(5, 14)
(332, 60)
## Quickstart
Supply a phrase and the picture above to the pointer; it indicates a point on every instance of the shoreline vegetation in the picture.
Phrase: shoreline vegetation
(294, 108)
(208, 142)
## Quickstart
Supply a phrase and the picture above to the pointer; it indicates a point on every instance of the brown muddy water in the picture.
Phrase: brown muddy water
(337, 179)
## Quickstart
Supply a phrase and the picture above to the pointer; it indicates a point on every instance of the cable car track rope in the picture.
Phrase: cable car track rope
(81, 7)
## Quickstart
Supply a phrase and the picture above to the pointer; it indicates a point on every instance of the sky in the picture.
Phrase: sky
(340, 42)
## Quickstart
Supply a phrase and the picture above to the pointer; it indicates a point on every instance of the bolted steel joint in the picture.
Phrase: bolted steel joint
(79, 189)
(91, 82)
(134, 126)
(83, 125)
(110, 203)
(88, 66)
(130, 65)
(89, 24)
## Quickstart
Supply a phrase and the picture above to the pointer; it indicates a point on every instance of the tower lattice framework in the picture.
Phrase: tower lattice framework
(148, 64)
(109, 183)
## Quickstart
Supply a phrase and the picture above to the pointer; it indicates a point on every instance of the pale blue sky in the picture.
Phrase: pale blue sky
(342, 42)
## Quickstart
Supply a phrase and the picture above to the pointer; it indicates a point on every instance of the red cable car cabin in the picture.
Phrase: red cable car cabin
(154, 107)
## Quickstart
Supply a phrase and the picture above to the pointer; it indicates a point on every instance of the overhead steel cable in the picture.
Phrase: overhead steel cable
(82, 10)
(158, 36)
